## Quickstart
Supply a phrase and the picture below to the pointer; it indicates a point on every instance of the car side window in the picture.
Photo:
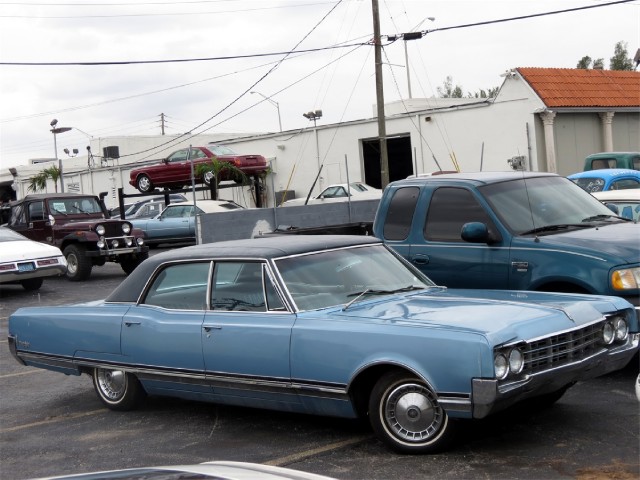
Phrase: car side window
(179, 156)
(400, 213)
(240, 286)
(624, 184)
(450, 208)
(181, 286)
(36, 211)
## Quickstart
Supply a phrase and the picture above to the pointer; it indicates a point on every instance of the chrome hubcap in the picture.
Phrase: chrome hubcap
(412, 413)
(72, 264)
(113, 383)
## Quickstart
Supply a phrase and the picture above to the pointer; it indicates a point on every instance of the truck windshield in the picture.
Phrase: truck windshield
(527, 205)
(74, 206)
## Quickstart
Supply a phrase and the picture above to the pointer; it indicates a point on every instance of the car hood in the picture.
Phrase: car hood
(501, 316)
(619, 240)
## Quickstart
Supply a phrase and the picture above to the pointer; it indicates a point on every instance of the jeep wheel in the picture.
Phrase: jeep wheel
(78, 264)
(31, 284)
(143, 183)
(130, 262)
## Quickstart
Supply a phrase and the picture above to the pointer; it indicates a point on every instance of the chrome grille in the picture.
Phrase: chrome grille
(562, 349)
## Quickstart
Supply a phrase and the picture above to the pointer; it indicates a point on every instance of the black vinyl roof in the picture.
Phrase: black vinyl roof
(259, 248)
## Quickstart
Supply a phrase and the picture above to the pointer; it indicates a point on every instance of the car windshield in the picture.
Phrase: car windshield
(221, 150)
(74, 206)
(530, 204)
(337, 277)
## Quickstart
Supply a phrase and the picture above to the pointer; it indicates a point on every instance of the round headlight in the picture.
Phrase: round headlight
(100, 230)
(140, 241)
(115, 244)
(501, 366)
(516, 361)
(608, 333)
(100, 243)
(126, 228)
(621, 328)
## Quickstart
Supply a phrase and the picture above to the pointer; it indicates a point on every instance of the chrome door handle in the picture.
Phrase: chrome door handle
(129, 323)
(208, 328)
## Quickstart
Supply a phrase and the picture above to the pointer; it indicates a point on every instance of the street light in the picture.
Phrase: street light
(272, 102)
(315, 116)
(55, 132)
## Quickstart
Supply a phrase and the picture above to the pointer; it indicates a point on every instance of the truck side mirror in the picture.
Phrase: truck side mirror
(477, 232)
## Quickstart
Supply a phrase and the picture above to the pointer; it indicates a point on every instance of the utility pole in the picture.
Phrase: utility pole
(382, 129)
(162, 123)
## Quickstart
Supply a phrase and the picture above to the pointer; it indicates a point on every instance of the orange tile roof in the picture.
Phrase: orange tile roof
(571, 87)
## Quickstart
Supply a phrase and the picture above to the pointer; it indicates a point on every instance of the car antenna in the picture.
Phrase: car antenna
(533, 221)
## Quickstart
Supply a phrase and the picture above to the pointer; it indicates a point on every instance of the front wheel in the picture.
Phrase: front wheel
(406, 416)
(79, 265)
(117, 389)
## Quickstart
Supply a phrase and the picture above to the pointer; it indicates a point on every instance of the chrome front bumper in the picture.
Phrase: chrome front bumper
(488, 396)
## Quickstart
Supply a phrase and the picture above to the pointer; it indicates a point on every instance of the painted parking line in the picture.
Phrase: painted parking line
(48, 421)
(28, 372)
(296, 457)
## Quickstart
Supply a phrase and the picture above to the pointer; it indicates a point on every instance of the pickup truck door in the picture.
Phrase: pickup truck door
(436, 247)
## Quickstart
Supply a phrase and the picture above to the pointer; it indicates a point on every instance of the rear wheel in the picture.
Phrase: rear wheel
(117, 389)
(31, 284)
(78, 264)
(143, 183)
(405, 415)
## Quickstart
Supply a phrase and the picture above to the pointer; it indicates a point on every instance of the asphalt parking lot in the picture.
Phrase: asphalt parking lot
(51, 424)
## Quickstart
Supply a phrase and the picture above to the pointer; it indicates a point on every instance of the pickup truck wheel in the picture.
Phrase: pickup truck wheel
(117, 389)
(130, 263)
(78, 264)
(31, 284)
(406, 416)
(143, 183)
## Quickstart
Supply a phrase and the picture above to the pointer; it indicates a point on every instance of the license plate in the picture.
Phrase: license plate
(26, 267)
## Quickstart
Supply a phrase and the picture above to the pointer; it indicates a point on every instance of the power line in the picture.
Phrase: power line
(180, 60)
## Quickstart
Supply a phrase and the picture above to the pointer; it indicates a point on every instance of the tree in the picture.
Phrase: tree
(482, 93)
(448, 90)
(586, 63)
(620, 59)
(218, 169)
(39, 181)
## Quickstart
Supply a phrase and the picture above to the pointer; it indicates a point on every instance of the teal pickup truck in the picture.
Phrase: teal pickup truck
(511, 230)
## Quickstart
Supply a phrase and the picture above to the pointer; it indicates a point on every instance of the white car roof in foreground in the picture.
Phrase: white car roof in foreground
(218, 470)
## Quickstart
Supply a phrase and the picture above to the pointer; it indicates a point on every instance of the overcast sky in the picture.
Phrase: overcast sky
(213, 95)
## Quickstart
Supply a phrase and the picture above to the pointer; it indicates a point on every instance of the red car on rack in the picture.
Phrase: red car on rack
(175, 170)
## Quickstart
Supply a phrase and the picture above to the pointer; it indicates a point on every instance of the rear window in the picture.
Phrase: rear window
(400, 213)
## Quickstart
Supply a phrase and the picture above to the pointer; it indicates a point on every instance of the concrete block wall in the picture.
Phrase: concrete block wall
(252, 222)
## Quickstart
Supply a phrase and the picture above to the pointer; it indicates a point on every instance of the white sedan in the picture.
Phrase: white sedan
(25, 262)
(340, 192)
(626, 202)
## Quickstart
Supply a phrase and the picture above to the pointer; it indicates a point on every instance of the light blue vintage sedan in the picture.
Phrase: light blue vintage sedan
(328, 325)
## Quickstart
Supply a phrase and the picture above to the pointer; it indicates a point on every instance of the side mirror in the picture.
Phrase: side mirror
(477, 232)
